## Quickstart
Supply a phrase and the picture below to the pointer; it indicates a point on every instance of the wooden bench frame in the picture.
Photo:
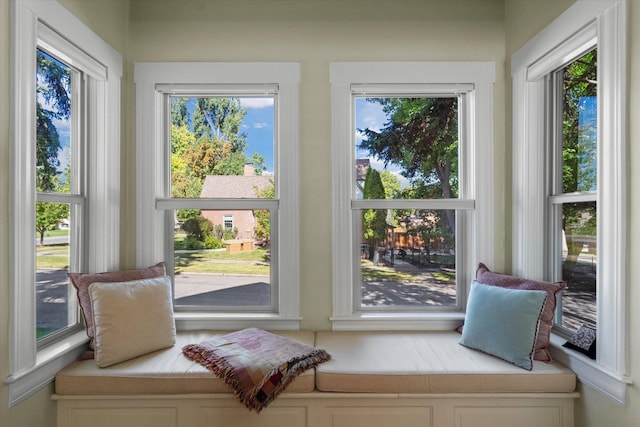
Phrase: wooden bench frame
(321, 409)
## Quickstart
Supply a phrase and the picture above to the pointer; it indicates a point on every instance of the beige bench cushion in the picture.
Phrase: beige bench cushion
(426, 362)
(162, 372)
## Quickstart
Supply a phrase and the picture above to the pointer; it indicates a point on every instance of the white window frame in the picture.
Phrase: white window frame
(32, 368)
(153, 79)
(555, 46)
(475, 80)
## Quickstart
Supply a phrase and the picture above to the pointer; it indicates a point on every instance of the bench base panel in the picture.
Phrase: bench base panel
(319, 409)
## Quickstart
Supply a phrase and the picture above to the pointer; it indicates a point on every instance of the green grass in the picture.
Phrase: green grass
(53, 256)
(369, 272)
(221, 268)
(55, 233)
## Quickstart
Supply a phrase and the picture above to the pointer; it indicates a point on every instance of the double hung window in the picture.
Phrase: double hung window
(569, 180)
(406, 200)
(65, 153)
(217, 171)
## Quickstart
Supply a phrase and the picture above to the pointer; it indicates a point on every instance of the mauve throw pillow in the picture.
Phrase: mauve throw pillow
(484, 275)
(82, 281)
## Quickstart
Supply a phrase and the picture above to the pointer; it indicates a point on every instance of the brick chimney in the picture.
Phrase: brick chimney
(249, 170)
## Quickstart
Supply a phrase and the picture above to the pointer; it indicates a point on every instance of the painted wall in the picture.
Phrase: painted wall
(523, 19)
(109, 19)
(315, 33)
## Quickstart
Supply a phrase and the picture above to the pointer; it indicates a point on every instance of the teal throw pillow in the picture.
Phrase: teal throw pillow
(503, 322)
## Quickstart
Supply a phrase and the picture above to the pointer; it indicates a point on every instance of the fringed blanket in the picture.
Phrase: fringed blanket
(255, 364)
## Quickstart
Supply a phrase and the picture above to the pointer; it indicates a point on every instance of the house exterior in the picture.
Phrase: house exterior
(234, 187)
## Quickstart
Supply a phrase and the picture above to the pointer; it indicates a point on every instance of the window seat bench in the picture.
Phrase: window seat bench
(375, 379)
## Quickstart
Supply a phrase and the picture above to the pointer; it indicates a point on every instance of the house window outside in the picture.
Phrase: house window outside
(228, 222)
(224, 179)
(405, 199)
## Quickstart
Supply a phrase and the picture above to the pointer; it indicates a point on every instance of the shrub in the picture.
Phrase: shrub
(191, 243)
(213, 242)
(199, 228)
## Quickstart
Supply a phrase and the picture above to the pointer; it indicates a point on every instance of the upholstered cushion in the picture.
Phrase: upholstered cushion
(426, 362)
(165, 371)
(503, 322)
(131, 318)
(484, 275)
(82, 281)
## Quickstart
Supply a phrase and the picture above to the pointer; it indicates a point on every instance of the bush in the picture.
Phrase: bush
(213, 242)
(199, 228)
(191, 243)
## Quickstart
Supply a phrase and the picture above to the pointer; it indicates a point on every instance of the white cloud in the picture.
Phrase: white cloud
(256, 102)
(261, 125)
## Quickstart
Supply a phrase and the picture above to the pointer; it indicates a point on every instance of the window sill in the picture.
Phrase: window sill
(49, 361)
(590, 373)
(398, 321)
(196, 320)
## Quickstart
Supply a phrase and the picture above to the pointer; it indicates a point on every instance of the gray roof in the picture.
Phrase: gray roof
(233, 186)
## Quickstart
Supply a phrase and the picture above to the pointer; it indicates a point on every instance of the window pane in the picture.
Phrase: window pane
(407, 258)
(579, 264)
(222, 147)
(413, 142)
(53, 124)
(223, 266)
(579, 118)
(53, 311)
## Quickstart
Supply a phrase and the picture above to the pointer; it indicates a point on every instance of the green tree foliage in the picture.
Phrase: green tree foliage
(374, 221)
(53, 103)
(579, 153)
(421, 137)
(48, 216)
(179, 112)
(263, 216)
(220, 118)
(198, 228)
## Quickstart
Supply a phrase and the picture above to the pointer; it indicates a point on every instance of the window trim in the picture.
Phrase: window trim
(153, 79)
(551, 48)
(438, 76)
(32, 368)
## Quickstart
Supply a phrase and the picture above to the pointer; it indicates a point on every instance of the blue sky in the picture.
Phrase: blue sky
(258, 124)
(369, 115)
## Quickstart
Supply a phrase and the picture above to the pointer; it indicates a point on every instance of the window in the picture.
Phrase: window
(65, 192)
(60, 197)
(221, 208)
(407, 203)
(569, 180)
(572, 202)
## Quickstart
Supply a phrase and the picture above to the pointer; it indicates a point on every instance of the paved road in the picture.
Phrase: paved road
(190, 289)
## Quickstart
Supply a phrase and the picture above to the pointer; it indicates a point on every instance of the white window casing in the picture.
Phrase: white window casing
(156, 79)
(600, 24)
(30, 367)
(473, 83)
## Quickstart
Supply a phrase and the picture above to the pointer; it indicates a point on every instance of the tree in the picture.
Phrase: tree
(374, 221)
(220, 118)
(53, 103)
(421, 137)
(48, 216)
(263, 216)
(179, 112)
(579, 153)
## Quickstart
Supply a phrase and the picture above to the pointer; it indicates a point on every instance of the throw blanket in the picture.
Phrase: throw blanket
(255, 364)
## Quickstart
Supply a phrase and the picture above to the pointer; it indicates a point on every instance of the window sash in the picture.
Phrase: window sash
(472, 84)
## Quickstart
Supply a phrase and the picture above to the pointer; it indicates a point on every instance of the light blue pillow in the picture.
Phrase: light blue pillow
(503, 322)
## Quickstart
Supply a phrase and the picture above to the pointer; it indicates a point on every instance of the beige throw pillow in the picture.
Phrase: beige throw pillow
(81, 282)
(131, 319)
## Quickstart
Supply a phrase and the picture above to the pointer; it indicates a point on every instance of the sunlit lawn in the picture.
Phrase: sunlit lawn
(53, 256)
(370, 272)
